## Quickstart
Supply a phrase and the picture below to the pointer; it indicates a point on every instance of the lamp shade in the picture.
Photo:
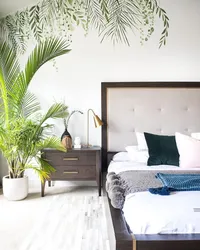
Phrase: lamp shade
(97, 121)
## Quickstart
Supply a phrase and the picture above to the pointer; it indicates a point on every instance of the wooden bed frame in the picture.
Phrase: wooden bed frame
(119, 234)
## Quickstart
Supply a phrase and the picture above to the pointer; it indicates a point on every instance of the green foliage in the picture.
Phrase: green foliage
(112, 19)
(23, 126)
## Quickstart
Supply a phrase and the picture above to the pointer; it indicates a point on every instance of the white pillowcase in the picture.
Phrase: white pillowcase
(189, 151)
(196, 135)
(142, 144)
(137, 155)
(121, 156)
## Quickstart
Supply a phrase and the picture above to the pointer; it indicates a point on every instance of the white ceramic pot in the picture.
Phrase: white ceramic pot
(15, 189)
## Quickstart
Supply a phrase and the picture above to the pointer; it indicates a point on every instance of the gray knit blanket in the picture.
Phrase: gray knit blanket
(118, 186)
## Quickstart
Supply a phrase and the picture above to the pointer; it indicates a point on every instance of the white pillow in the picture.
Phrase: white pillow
(137, 155)
(121, 156)
(142, 144)
(189, 151)
(196, 135)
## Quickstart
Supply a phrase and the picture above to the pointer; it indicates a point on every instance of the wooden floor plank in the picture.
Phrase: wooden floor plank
(65, 219)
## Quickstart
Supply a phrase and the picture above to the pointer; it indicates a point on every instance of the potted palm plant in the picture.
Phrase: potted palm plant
(23, 127)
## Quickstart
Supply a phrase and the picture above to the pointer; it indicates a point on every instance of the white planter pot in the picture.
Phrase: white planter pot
(15, 189)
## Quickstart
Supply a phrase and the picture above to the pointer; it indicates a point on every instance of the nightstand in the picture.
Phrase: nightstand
(74, 165)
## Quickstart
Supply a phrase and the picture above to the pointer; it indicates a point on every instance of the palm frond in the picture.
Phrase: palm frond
(44, 170)
(50, 8)
(34, 19)
(57, 110)
(124, 16)
(9, 70)
(97, 13)
(30, 104)
(4, 32)
(9, 64)
(42, 53)
(51, 142)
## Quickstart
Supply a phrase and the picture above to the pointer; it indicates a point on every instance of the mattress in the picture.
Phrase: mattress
(121, 166)
(146, 213)
(178, 213)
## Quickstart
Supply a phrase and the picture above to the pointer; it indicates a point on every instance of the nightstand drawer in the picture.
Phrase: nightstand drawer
(74, 172)
(71, 158)
(82, 164)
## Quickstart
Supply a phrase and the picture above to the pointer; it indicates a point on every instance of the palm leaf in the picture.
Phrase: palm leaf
(9, 65)
(124, 16)
(51, 142)
(4, 32)
(30, 104)
(43, 169)
(9, 70)
(97, 13)
(43, 52)
(57, 110)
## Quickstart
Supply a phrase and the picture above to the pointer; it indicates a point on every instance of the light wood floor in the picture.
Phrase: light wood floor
(65, 219)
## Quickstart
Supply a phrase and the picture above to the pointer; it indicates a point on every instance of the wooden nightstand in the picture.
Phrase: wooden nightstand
(75, 164)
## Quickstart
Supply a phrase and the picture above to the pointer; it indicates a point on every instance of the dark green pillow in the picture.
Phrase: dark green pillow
(162, 150)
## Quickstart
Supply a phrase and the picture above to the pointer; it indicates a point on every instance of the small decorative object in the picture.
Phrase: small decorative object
(77, 142)
(97, 123)
(66, 138)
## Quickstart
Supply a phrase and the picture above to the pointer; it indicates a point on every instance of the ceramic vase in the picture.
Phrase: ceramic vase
(66, 139)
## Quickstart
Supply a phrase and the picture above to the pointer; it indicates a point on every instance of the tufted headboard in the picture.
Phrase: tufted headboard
(155, 107)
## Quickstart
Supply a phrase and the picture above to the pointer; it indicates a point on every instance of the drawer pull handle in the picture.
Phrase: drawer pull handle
(70, 172)
(70, 159)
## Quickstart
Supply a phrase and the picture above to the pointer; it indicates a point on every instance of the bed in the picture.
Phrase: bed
(157, 107)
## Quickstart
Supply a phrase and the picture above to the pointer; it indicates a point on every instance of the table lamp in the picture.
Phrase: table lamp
(97, 123)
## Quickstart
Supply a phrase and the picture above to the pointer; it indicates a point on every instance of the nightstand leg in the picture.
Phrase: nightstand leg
(42, 188)
(99, 184)
(98, 170)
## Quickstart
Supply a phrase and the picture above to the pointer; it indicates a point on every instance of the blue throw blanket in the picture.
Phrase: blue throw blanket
(176, 182)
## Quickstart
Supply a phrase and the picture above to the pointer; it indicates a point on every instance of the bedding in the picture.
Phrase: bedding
(132, 176)
(118, 186)
(121, 157)
(118, 167)
(137, 155)
(196, 135)
(174, 214)
(189, 149)
(177, 182)
(141, 141)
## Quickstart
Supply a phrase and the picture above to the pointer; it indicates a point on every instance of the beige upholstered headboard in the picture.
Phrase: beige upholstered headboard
(161, 108)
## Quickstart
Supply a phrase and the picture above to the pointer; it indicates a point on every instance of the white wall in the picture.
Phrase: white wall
(80, 73)
(90, 62)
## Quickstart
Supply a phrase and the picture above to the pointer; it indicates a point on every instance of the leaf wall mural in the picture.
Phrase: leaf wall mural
(112, 19)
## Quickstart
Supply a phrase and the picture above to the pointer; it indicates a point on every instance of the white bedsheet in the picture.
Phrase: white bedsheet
(118, 167)
(147, 213)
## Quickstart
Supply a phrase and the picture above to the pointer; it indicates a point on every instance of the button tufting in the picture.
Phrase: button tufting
(186, 109)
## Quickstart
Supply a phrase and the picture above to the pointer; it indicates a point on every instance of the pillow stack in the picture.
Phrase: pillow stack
(177, 150)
